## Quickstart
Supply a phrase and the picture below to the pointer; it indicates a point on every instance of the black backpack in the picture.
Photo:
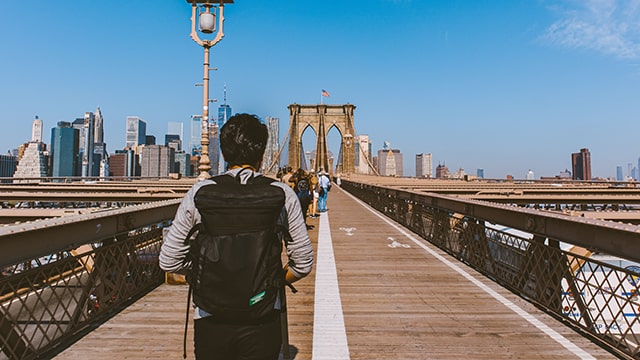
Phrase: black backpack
(302, 185)
(236, 269)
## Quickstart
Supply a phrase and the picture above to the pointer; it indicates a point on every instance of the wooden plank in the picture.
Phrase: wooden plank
(398, 302)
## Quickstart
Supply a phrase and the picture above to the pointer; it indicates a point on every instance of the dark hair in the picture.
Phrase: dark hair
(243, 140)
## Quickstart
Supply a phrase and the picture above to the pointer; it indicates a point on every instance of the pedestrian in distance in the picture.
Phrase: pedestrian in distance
(227, 236)
(315, 192)
(301, 185)
(324, 185)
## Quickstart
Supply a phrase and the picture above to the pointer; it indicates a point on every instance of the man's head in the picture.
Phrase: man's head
(243, 140)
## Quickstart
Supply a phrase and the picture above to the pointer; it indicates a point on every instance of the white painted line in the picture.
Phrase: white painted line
(329, 334)
(506, 302)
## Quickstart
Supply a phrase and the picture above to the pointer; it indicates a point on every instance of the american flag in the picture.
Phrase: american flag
(325, 93)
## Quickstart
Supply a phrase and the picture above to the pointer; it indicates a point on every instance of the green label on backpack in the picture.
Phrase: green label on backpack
(257, 298)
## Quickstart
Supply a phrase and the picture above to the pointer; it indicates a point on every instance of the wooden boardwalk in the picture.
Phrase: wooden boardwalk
(399, 298)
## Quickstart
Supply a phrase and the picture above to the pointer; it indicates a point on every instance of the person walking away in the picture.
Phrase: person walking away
(324, 184)
(233, 265)
(315, 188)
(300, 179)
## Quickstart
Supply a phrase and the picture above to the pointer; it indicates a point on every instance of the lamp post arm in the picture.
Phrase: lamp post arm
(194, 33)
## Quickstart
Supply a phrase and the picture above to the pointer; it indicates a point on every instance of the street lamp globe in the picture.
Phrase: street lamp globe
(207, 20)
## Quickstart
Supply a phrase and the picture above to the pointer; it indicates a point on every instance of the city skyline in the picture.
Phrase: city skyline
(504, 87)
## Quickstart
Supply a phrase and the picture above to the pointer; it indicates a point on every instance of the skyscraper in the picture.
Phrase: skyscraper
(215, 157)
(87, 155)
(389, 161)
(157, 161)
(98, 136)
(619, 173)
(36, 130)
(530, 175)
(136, 132)
(64, 150)
(195, 131)
(224, 113)
(424, 165)
(581, 165)
(175, 128)
(99, 146)
(33, 163)
(442, 172)
(270, 162)
(8, 164)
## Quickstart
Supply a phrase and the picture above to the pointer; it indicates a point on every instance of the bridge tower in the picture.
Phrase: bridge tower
(322, 118)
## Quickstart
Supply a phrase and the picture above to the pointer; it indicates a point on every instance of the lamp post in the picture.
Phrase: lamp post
(206, 17)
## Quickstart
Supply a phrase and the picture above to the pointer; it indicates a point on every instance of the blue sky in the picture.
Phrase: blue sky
(506, 86)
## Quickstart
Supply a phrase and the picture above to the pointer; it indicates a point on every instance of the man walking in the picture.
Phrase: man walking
(324, 184)
(234, 265)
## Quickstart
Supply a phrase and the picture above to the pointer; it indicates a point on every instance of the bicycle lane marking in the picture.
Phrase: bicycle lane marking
(329, 334)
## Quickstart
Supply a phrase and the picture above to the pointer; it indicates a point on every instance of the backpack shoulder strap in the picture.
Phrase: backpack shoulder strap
(194, 228)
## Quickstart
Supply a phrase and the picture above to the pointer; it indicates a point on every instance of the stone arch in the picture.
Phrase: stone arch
(321, 118)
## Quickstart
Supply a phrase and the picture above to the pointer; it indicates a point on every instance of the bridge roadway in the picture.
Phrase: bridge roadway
(376, 292)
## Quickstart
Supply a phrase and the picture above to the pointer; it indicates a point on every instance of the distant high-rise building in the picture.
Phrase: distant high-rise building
(118, 164)
(459, 174)
(390, 162)
(424, 165)
(98, 136)
(136, 132)
(619, 175)
(224, 111)
(480, 173)
(8, 164)
(36, 130)
(149, 140)
(566, 174)
(157, 161)
(182, 164)
(33, 163)
(173, 141)
(124, 163)
(581, 165)
(442, 172)
(270, 162)
(362, 159)
(215, 154)
(64, 150)
(99, 146)
(530, 175)
(32, 159)
(175, 128)
(88, 160)
(195, 135)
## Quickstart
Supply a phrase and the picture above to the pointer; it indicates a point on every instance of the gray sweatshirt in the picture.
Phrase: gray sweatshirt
(174, 250)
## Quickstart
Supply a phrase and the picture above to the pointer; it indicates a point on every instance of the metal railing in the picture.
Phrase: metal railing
(63, 277)
(527, 251)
